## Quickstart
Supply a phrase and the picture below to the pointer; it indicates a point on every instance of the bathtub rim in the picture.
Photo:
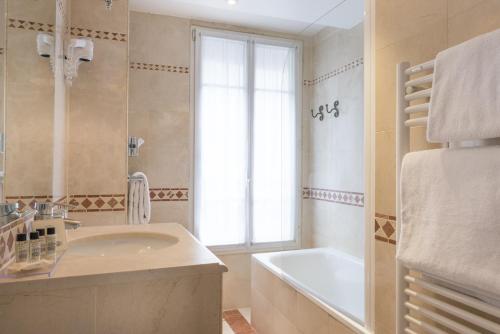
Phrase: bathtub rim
(264, 259)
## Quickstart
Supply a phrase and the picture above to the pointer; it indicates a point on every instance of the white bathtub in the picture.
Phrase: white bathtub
(331, 279)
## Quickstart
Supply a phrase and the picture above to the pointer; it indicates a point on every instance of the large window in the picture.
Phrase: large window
(246, 140)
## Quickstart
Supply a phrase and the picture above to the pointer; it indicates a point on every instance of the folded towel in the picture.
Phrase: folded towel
(465, 98)
(139, 203)
(450, 216)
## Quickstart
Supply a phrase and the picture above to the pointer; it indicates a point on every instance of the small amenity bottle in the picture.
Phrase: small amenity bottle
(22, 248)
(43, 243)
(35, 247)
(51, 240)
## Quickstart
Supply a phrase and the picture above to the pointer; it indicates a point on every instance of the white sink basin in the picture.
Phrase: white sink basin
(120, 244)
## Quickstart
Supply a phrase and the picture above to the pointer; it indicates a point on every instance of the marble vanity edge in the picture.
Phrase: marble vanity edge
(30, 282)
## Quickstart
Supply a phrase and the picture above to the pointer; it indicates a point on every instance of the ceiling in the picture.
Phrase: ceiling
(289, 16)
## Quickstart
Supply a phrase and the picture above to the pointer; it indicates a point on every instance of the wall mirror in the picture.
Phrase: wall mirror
(32, 114)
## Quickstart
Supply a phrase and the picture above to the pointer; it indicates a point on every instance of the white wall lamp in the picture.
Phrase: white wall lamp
(45, 47)
(79, 50)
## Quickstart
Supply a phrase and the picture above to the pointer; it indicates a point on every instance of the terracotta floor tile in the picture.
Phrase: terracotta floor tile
(237, 322)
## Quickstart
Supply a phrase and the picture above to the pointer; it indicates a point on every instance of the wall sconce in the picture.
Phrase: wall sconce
(45, 47)
(79, 50)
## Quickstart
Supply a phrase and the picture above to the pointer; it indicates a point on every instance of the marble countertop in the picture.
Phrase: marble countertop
(186, 255)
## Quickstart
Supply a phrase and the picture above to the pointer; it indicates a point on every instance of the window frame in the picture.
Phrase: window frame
(248, 246)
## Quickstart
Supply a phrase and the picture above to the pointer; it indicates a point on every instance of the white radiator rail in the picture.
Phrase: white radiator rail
(421, 307)
(424, 325)
(417, 108)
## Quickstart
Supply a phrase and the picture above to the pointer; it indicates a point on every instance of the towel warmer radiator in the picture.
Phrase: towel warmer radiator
(423, 305)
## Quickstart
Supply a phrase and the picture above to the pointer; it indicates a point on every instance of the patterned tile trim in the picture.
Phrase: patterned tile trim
(30, 25)
(169, 194)
(385, 228)
(26, 201)
(97, 203)
(8, 237)
(99, 34)
(159, 67)
(75, 31)
(342, 69)
(334, 196)
(237, 322)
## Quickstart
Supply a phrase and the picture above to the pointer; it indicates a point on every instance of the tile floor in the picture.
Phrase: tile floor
(237, 322)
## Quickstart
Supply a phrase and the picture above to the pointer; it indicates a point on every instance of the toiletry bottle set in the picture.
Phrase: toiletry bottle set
(41, 245)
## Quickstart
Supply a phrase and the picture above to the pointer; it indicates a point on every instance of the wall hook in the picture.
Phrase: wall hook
(320, 113)
(335, 108)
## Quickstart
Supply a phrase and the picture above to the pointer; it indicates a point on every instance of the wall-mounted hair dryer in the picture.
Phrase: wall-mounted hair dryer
(78, 50)
(45, 47)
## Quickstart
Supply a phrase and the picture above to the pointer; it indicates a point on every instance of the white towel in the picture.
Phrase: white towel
(450, 216)
(465, 99)
(131, 197)
(139, 203)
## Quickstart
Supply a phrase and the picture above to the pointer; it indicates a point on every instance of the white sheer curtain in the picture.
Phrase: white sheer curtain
(221, 142)
(245, 141)
(274, 144)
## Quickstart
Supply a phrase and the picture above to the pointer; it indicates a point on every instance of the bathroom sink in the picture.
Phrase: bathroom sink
(121, 244)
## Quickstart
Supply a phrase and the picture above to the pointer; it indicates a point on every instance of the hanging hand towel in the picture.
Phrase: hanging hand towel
(139, 200)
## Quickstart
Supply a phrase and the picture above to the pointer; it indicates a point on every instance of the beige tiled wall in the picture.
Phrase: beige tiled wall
(160, 48)
(414, 31)
(333, 148)
(98, 109)
(29, 102)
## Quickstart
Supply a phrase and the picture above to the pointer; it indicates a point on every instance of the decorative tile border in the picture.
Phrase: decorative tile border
(28, 201)
(8, 237)
(237, 322)
(385, 228)
(30, 25)
(334, 196)
(75, 31)
(159, 67)
(97, 203)
(169, 194)
(99, 34)
(353, 64)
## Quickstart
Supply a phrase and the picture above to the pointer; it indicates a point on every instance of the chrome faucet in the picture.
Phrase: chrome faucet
(9, 212)
(51, 210)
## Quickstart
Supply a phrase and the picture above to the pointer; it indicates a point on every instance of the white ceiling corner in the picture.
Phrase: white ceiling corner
(289, 16)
